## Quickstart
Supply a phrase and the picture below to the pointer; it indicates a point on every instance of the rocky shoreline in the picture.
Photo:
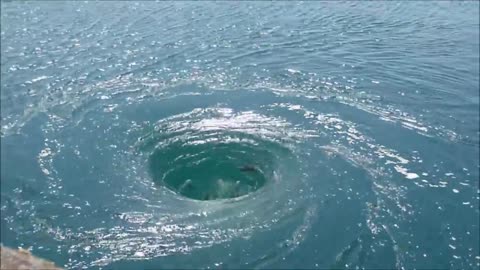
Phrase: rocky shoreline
(23, 259)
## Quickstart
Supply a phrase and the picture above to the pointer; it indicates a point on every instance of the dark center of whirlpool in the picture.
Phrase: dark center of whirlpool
(204, 170)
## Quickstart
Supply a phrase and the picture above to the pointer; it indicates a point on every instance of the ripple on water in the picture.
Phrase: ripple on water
(266, 131)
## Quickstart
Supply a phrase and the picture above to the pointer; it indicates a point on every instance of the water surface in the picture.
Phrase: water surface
(239, 135)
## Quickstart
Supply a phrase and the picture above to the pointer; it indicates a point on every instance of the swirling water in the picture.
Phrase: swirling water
(241, 135)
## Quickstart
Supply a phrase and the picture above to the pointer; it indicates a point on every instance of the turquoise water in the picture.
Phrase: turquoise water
(241, 135)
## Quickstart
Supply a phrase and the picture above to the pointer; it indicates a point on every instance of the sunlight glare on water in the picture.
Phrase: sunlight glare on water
(146, 135)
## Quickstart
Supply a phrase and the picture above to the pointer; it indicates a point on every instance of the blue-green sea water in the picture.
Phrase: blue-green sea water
(241, 135)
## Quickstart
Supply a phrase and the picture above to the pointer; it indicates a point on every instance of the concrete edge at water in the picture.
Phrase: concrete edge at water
(23, 259)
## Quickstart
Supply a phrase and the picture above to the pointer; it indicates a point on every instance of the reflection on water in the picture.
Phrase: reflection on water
(241, 135)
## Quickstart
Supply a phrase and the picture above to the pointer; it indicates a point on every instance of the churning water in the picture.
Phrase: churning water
(241, 135)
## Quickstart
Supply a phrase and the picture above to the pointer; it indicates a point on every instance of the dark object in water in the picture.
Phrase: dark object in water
(248, 168)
